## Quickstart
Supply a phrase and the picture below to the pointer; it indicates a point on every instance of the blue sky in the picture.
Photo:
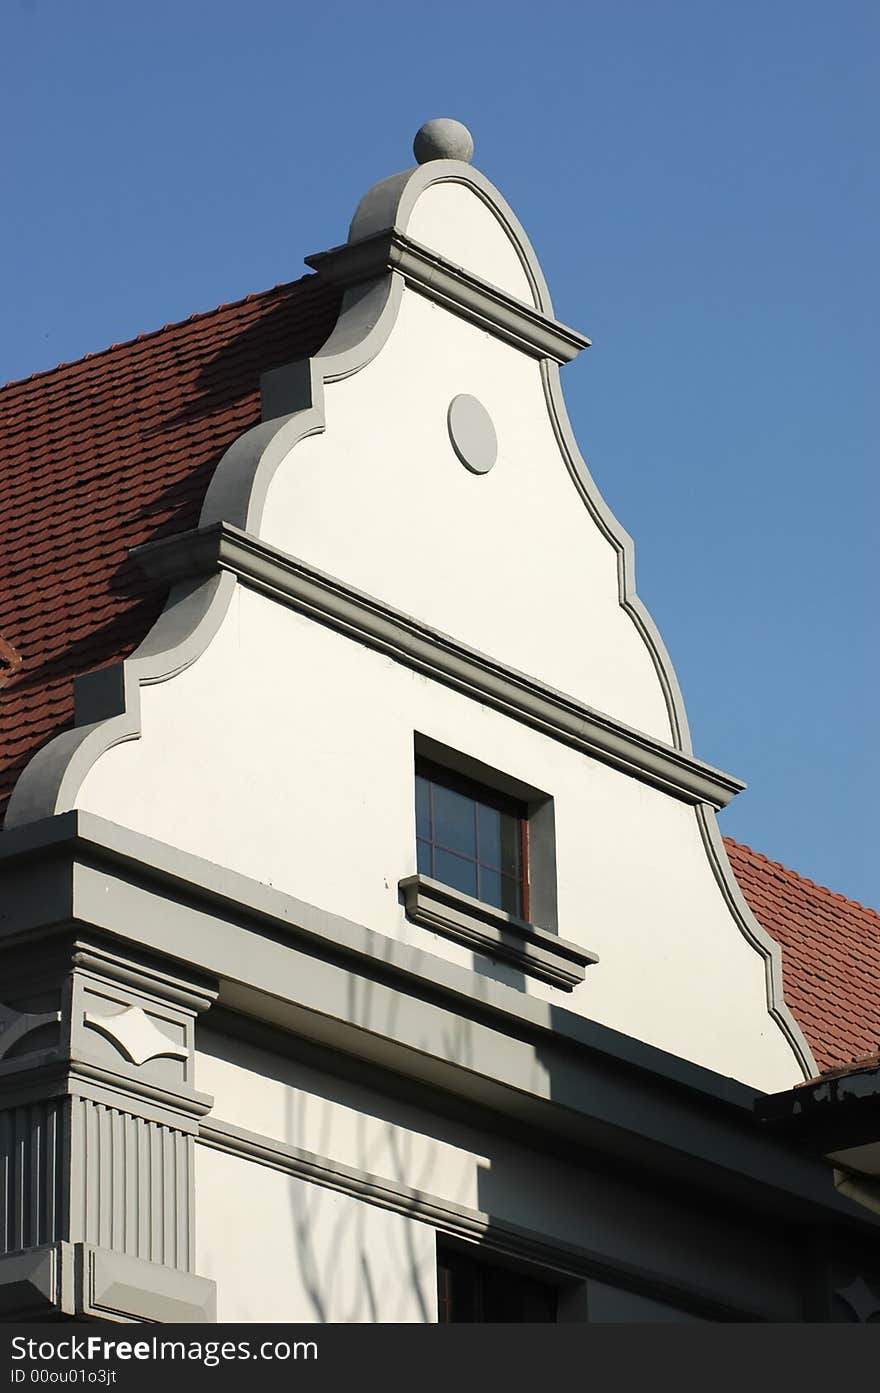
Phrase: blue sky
(700, 183)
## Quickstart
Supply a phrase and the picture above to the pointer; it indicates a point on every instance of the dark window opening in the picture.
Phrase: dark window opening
(472, 838)
(473, 1291)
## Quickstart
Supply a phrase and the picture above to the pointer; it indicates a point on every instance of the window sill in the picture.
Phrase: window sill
(489, 930)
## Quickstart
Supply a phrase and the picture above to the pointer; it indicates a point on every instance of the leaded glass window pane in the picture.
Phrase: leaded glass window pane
(471, 838)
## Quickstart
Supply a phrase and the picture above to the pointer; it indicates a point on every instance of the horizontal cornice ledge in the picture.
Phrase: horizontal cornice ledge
(370, 621)
(294, 967)
(453, 287)
(450, 1217)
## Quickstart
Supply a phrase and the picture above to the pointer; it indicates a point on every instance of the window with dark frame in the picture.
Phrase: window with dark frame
(472, 838)
(472, 1290)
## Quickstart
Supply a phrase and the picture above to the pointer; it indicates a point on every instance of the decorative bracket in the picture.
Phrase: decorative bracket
(14, 1025)
(861, 1299)
(136, 1035)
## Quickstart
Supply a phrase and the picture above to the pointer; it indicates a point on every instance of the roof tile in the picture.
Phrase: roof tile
(830, 955)
(102, 454)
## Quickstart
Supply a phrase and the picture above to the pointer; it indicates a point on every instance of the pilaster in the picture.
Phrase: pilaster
(98, 1116)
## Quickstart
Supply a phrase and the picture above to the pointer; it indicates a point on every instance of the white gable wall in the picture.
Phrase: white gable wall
(508, 562)
(451, 220)
(297, 1252)
(285, 751)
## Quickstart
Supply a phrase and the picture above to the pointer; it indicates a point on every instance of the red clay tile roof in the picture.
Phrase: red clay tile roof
(830, 955)
(100, 455)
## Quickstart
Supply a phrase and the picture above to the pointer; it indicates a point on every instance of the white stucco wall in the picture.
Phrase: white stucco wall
(285, 751)
(286, 1228)
(508, 562)
(290, 1251)
(451, 220)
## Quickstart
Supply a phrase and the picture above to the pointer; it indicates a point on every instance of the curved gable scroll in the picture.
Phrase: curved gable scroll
(382, 256)
(439, 276)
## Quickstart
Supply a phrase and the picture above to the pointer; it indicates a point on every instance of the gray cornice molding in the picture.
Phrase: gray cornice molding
(490, 931)
(390, 205)
(451, 286)
(457, 1220)
(46, 1075)
(221, 907)
(194, 993)
(303, 970)
(404, 638)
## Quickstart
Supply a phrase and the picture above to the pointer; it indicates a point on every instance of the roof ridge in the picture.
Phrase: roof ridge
(154, 333)
(805, 880)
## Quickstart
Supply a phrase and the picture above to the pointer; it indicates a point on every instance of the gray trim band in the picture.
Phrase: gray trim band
(82, 1279)
(757, 937)
(534, 951)
(307, 972)
(46, 1075)
(360, 616)
(452, 287)
(30, 1283)
(118, 1287)
(458, 1220)
(218, 904)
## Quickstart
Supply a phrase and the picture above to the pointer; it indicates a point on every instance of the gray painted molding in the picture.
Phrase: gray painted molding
(135, 1035)
(215, 903)
(755, 934)
(339, 985)
(131, 1185)
(454, 288)
(108, 701)
(30, 1283)
(46, 1075)
(406, 639)
(472, 433)
(16, 1025)
(80, 1279)
(861, 1298)
(389, 205)
(115, 1286)
(456, 1219)
(490, 931)
(97, 1126)
(51, 781)
(34, 1157)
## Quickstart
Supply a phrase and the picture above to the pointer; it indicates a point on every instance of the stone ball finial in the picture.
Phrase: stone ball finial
(443, 139)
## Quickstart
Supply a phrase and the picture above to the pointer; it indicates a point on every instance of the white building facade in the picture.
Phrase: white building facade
(371, 952)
